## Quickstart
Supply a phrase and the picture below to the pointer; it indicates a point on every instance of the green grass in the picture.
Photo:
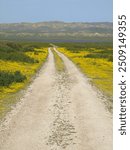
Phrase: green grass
(101, 53)
(58, 62)
(77, 47)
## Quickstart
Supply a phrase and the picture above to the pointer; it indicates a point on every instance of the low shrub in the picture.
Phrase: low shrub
(7, 78)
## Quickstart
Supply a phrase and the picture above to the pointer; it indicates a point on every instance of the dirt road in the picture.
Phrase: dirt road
(60, 111)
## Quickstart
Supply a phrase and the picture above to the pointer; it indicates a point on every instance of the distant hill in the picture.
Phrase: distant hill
(57, 31)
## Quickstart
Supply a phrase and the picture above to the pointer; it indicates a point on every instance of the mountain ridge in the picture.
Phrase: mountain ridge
(57, 30)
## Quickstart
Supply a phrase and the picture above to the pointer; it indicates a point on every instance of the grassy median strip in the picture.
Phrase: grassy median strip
(58, 62)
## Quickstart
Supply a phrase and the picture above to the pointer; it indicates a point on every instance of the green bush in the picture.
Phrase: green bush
(16, 52)
(20, 57)
(101, 53)
(7, 78)
(14, 45)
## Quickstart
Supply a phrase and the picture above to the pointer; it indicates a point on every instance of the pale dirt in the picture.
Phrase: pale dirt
(60, 111)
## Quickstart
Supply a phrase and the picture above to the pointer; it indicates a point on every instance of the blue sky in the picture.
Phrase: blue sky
(55, 10)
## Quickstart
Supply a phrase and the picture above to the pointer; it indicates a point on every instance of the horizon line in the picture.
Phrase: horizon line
(57, 22)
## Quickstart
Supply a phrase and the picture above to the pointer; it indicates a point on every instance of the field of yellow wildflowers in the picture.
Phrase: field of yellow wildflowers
(95, 61)
(18, 64)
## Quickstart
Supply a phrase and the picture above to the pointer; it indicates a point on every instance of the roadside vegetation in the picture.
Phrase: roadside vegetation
(95, 60)
(18, 64)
